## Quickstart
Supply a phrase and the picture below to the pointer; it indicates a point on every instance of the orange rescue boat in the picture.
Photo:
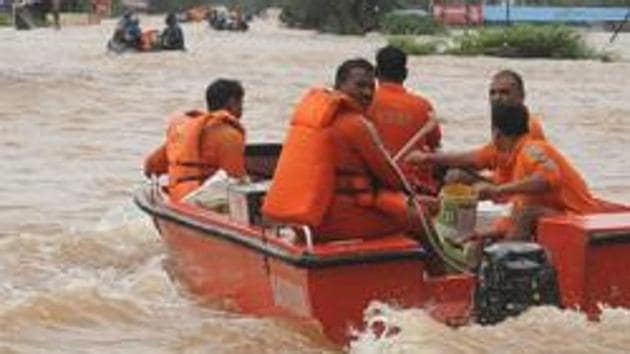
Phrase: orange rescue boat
(279, 270)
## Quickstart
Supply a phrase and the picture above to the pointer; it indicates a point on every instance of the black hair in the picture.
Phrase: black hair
(221, 91)
(515, 76)
(391, 64)
(171, 19)
(510, 119)
(343, 71)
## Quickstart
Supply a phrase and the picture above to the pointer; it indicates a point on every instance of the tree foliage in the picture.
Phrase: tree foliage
(339, 16)
(410, 24)
(248, 6)
(526, 41)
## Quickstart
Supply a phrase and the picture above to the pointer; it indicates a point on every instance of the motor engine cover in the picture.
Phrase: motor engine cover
(513, 276)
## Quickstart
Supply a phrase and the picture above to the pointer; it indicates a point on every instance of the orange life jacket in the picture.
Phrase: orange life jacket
(148, 38)
(304, 180)
(187, 170)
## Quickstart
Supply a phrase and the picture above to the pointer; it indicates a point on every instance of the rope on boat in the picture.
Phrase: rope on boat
(415, 206)
(428, 229)
(426, 128)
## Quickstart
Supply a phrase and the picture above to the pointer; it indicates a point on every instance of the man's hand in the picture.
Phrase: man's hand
(462, 241)
(418, 157)
(487, 191)
(431, 203)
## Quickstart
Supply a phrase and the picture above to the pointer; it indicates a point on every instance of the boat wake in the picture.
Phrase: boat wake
(538, 330)
(108, 290)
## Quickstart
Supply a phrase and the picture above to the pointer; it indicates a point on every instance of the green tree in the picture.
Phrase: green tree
(338, 16)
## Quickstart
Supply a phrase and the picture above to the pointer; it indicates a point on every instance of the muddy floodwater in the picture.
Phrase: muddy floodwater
(81, 269)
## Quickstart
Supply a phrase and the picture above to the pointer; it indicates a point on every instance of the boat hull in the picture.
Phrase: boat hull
(329, 285)
(591, 255)
(253, 268)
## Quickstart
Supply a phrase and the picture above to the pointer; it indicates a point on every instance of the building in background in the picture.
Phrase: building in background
(475, 12)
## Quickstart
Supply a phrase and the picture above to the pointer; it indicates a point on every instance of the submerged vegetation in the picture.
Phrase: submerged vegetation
(5, 19)
(413, 46)
(523, 41)
(410, 25)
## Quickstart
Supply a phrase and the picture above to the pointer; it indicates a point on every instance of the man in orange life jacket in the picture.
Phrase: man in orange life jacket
(349, 188)
(506, 87)
(541, 181)
(200, 143)
(399, 114)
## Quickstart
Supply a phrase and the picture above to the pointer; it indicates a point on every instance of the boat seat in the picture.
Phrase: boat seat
(392, 242)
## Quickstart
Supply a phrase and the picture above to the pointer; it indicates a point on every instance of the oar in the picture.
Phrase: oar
(412, 199)
(428, 127)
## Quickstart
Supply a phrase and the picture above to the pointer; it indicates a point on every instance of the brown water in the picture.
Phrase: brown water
(81, 270)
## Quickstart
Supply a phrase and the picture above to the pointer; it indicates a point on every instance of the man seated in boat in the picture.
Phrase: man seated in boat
(468, 167)
(404, 120)
(172, 37)
(199, 143)
(121, 27)
(334, 174)
(132, 33)
(540, 181)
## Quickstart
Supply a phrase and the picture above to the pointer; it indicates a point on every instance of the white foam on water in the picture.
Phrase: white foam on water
(538, 330)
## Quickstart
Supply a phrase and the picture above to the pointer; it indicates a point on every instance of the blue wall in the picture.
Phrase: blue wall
(497, 13)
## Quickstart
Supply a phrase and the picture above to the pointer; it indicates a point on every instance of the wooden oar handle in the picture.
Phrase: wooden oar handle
(431, 124)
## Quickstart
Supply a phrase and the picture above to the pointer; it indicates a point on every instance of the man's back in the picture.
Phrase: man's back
(569, 191)
(224, 146)
(399, 114)
(358, 149)
(363, 176)
(199, 145)
(172, 38)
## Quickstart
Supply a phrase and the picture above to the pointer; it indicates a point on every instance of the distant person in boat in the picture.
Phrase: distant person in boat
(127, 32)
(540, 181)
(334, 173)
(399, 116)
(121, 26)
(133, 32)
(172, 38)
(468, 167)
(200, 143)
(236, 14)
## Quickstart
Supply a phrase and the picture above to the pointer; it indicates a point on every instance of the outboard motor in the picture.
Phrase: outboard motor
(512, 277)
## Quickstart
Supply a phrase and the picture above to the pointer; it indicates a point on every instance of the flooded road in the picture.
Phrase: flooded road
(81, 270)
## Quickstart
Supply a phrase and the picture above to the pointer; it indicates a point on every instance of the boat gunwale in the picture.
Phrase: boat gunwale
(262, 245)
